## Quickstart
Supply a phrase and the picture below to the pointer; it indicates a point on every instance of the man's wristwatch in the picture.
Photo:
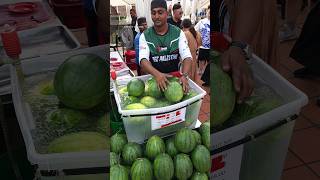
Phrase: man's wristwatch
(247, 50)
(186, 75)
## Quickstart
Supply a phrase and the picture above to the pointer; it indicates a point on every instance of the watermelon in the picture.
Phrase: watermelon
(162, 103)
(123, 91)
(174, 92)
(131, 152)
(126, 100)
(183, 167)
(68, 118)
(201, 159)
(118, 141)
(46, 88)
(176, 79)
(135, 87)
(223, 96)
(135, 106)
(119, 172)
(151, 88)
(184, 140)
(114, 159)
(197, 137)
(80, 81)
(205, 134)
(163, 167)
(148, 101)
(189, 95)
(155, 146)
(141, 170)
(79, 142)
(199, 176)
(170, 147)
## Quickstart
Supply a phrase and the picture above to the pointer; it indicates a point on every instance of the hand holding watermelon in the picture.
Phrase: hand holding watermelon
(162, 80)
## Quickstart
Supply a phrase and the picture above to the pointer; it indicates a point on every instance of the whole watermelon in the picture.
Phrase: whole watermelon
(118, 141)
(201, 159)
(79, 142)
(141, 170)
(199, 176)
(205, 134)
(126, 100)
(114, 159)
(131, 152)
(80, 81)
(223, 96)
(170, 147)
(183, 167)
(184, 140)
(148, 101)
(174, 92)
(135, 87)
(163, 167)
(151, 88)
(189, 95)
(155, 146)
(197, 137)
(119, 172)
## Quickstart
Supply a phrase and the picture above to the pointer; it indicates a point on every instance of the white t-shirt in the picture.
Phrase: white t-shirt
(203, 26)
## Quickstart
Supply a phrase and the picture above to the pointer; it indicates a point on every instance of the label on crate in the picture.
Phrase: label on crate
(226, 165)
(168, 119)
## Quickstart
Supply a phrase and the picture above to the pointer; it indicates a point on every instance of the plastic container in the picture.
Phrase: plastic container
(56, 161)
(269, 150)
(142, 124)
(71, 13)
(130, 57)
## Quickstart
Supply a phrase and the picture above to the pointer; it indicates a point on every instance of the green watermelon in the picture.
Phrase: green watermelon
(68, 118)
(118, 141)
(205, 134)
(174, 92)
(131, 152)
(197, 137)
(189, 95)
(81, 81)
(170, 147)
(126, 100)
(114, 159)
(123, 91)
(171, 79)
(135, 87)
(183, 167)
(201, 159)
(185, 140)
(155, 146)
(148, 101)
(119, 172)
(135, 106)
(79, 142)
(151, 88)
(199, 176)
(46, 88)
(163, 167)
(223, 96)
(141, 170)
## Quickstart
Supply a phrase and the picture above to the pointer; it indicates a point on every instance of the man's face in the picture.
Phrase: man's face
(143, 26)
(159, 16)
(177, 13)
(133, 13)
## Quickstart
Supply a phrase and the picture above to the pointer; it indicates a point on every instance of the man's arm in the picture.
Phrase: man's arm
(186, 57)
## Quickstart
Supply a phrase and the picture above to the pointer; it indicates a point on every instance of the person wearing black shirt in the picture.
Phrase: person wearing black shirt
(177, 15)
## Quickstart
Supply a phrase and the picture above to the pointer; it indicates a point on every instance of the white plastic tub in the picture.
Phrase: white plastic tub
(142, 131)
(56, 161)
(231, 159)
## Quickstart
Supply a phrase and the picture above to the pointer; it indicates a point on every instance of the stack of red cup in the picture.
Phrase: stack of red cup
(11, 41)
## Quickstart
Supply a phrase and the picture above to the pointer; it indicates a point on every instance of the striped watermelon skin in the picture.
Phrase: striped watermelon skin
(184, 140)
(170, 147)
(119, 172)
(155, 146)
(197, 137)
(141, 170)
(201, 159)
(199, 176)
(163, 167)
(183, 167)
(131, 152)
(118, 141)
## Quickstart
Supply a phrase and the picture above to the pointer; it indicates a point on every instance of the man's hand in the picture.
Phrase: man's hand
(233, 61)
(185, 84)
(162, 80)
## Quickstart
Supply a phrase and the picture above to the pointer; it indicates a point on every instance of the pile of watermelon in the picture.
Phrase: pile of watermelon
(183, 156)
(226, 112)
(80, 121)
(143, 95)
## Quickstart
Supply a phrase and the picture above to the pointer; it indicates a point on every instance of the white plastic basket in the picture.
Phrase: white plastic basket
(55, 161)
(143, 131)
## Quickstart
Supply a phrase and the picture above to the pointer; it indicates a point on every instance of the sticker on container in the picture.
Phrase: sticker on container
(168, 119)
(227, 165)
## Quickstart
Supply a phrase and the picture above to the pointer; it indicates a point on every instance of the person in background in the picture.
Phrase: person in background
(176, 15)
(92, 22)
(142, 25)
(194, 42)
(133, 15)
(163, 49)
(203, 27)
